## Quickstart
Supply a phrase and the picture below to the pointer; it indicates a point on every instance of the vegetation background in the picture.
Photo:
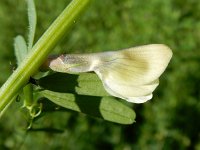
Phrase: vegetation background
(171, 120)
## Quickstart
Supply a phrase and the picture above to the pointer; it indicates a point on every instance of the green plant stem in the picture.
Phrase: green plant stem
(28, 94)
(40, 51)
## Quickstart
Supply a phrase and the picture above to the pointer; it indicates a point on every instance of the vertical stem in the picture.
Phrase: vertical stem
(41, 50)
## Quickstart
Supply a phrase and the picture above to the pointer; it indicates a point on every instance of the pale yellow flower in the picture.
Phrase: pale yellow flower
(131, 74)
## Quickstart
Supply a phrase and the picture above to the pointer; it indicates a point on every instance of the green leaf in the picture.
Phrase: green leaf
(32, 19)
(90, 84)
(107, 108)
(20, 48)
(83, 84)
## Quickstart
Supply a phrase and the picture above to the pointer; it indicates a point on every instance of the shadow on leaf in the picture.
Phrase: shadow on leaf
(59, 82)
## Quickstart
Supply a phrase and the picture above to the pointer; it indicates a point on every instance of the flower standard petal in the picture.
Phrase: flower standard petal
(132, 74)
(138, 65)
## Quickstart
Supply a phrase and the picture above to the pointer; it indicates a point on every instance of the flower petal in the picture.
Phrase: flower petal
(138, 65)
(141, 99)
(130, 92)
(133, 99)
(132, 74)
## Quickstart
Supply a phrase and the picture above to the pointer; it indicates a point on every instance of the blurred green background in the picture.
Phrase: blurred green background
(171, 120)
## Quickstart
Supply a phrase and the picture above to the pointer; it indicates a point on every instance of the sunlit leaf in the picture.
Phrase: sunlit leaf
(107, 108)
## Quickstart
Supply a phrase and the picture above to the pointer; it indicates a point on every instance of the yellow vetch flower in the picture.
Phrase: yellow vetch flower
(131, 74)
